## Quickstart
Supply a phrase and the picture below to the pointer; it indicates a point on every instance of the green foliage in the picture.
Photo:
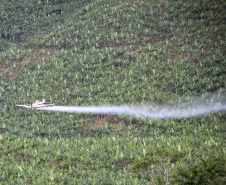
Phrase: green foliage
(142, 164)
(161, 161)
(164, 154)
(107, 52)
(206, 172)
(192, 176)
(215, 170)
(22, 20)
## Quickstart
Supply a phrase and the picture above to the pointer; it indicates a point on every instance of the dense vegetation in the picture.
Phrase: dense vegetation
(109, 52)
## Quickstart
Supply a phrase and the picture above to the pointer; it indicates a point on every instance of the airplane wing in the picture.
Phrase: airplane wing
(26, 106)
(35, 106)
(42, 106)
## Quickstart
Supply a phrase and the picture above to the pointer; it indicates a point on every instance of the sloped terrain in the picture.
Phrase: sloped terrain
(106, 53)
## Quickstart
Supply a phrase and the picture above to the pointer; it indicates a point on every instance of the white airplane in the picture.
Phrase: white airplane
(37, 104)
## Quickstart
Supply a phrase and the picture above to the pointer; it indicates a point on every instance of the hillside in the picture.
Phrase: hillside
(114, 52)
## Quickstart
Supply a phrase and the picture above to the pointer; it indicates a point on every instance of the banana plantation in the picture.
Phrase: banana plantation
(116, 52)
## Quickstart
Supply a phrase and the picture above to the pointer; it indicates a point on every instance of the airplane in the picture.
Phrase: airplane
(37, 104)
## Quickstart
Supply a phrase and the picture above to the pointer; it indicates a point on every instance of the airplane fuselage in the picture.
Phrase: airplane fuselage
(37, 104)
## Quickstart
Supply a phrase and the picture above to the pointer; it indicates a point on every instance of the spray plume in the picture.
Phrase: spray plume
(190, 108)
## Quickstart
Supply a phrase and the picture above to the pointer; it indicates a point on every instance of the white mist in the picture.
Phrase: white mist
(191, 108)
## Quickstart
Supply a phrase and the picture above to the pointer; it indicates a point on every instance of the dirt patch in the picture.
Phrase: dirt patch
(102, 120)
(129, 51)
(52, 163)
(23, 157)
(113, 120)
(36, 56)
(122, 165)
(2, 131)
